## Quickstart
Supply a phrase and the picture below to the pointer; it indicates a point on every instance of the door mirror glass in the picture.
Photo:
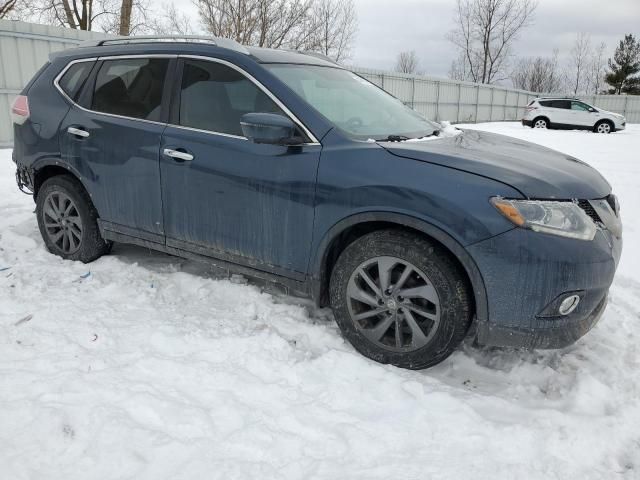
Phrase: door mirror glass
(269, 128)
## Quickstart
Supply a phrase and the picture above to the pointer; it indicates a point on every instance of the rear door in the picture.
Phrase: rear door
(561, 112)
(225, 196)
(111, 136)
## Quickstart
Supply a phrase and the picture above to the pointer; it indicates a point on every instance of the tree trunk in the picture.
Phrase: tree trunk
(125, 17)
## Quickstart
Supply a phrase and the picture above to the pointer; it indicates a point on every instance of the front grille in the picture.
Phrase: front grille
(589, 210)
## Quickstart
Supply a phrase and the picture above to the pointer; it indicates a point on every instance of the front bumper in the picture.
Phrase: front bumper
(526, 272)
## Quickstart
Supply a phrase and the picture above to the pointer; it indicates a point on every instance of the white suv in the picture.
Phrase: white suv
(570, 113)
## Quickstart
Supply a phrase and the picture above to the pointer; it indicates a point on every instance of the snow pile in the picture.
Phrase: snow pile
(145, 366)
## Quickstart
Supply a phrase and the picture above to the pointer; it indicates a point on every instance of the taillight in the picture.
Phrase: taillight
(528, 109)
(20, 110)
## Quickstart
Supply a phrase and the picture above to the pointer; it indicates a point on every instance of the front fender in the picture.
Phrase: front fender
(319, 259)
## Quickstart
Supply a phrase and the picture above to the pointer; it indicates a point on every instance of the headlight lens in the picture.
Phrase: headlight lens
(565, 219)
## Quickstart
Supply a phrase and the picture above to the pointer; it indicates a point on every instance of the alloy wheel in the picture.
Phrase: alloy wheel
(393, 304)
(540, 124)
(62, 222)
(604, 128)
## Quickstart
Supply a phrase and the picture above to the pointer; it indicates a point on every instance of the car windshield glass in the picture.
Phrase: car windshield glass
(353, 104)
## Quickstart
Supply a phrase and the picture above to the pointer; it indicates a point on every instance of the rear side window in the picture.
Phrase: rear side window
(565, 104)
(73, 79)
(131, 87)
(545, 103)
(214, 97)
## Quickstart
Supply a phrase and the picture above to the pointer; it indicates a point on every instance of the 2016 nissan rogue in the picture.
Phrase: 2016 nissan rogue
(286, 167)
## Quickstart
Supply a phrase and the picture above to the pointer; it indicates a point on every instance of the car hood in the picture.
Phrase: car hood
(536, 171)
(613, 114)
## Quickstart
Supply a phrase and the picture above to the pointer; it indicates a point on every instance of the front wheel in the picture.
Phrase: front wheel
(603, 127)
(68, 221)
(400, 299)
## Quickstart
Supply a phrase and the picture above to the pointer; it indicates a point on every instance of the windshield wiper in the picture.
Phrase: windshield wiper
(402, 138)
(394, 138)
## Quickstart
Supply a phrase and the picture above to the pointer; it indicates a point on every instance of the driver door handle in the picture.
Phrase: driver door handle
(78, 132)
(178, 155)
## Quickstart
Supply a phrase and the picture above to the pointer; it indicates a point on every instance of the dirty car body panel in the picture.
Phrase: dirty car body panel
(277, 212)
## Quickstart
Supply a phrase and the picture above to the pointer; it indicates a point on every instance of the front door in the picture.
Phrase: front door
(113, 140)
(224, 196)
(581, 114)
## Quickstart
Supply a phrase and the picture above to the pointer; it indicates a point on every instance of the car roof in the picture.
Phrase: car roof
(192, 44)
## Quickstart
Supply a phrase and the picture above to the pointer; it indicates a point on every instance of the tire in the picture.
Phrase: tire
(68, 220)
(540, 122)
(604, 126)
(434, 298)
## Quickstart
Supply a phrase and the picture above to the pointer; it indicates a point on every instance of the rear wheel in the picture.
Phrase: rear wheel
(603, 127)
(68, 221)
(540, 123)
(400, 299)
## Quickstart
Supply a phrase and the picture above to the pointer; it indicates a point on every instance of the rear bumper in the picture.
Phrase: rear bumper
(527, 274)
(526, 123)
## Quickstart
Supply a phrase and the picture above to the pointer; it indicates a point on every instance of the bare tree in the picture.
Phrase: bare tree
(325, 26)
(104, 15)
(125, 17)
(597, 68)
(485, 31)
(577, 75)
(171, 22)
(6, 6)
(538, 74)
(264, 23)
(334, 24)
(407, 62)
(459, 69)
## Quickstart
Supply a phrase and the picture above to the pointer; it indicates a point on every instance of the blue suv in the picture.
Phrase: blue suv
(288, 168)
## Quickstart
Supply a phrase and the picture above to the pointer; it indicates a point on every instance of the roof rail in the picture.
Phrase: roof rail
(216, 41)
(559, 97)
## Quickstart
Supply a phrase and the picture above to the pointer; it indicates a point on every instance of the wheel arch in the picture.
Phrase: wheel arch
(47, 168)
(351, 228)
(541, 117)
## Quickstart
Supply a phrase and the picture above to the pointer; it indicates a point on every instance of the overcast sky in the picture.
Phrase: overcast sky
(386, 27)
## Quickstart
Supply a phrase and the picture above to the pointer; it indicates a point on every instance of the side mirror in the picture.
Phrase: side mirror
(269, 128)
(592, 110)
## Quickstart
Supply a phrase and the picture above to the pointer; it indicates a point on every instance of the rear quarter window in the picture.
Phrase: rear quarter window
(73, 79)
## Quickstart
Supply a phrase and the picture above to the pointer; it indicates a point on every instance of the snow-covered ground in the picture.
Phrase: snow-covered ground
(143, 366)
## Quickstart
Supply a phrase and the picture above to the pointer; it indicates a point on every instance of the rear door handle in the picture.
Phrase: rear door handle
(78, 132)
(178, 155)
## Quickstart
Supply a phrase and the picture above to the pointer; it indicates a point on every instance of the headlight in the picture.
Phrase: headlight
(565, 219)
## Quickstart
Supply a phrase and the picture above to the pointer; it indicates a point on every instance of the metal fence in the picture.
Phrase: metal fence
(445, 99)
(24, 47)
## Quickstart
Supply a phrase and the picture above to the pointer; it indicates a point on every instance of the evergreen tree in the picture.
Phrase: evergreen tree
(624, 65)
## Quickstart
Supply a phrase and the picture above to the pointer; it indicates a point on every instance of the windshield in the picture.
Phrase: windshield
(353, 104)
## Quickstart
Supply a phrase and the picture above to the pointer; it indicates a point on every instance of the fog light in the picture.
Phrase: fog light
(569, 304)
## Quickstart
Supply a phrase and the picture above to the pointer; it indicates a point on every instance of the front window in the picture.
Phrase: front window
(214, 97)
(580, 106)
(353, 104)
